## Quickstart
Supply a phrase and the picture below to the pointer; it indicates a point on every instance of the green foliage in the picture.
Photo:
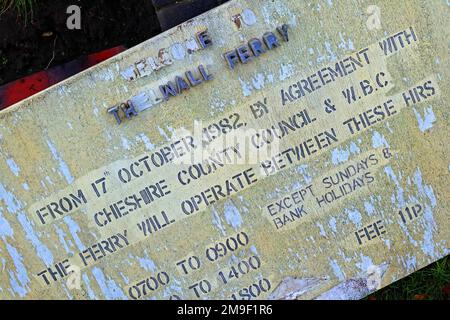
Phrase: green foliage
(3, 61)
(429, 283)
(24, 8)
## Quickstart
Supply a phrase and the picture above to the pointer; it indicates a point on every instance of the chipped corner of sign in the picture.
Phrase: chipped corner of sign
(358, 287)
(294, 288)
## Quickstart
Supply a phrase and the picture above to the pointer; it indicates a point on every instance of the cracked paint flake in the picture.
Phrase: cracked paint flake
(63, 167)
(232, 215)
(13, 166)
(108, 286)
(425, 123)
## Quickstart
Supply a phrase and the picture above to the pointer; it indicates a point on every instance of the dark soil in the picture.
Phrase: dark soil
(41, 39)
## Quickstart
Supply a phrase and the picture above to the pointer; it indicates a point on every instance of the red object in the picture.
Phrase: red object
(446, 289)
(21, 89)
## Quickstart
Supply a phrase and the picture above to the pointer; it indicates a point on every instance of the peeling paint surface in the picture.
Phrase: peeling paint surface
(351, 200)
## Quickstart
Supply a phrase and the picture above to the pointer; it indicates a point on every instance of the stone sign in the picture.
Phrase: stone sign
(263, 150)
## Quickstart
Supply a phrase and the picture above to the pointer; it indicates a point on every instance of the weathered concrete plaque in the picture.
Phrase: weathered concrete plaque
(266, 149)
